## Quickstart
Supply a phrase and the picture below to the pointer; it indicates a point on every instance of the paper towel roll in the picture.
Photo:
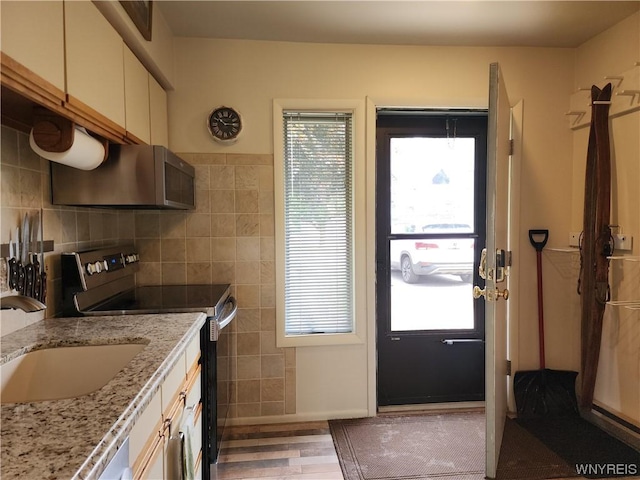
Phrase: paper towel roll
(86, 153)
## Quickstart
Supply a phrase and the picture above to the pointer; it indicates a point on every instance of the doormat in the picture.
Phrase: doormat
(590, 450)
(426, 446)
(524, 457)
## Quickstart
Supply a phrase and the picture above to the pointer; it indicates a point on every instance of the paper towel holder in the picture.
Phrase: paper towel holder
(54, 133)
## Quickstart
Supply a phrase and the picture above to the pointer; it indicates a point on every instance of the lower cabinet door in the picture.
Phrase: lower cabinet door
(154, 469)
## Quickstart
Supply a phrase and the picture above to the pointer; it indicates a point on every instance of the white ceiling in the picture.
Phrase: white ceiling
(446, 22)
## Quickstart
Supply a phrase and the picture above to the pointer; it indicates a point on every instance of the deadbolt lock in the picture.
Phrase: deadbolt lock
(501, 271)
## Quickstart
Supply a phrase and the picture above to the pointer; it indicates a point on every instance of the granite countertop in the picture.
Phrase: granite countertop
(76, 438)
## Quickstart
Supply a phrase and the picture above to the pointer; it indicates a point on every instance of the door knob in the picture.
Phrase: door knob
(491, 295)
(504, 293)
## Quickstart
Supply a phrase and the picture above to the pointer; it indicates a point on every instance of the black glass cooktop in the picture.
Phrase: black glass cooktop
(167, 299)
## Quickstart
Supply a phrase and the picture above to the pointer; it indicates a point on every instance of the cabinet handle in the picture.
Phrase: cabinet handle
(166, 425)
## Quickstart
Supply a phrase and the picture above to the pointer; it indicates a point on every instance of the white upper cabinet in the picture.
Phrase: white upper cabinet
(158, 113)
(95, 62)
(32, 34)
(136, 94)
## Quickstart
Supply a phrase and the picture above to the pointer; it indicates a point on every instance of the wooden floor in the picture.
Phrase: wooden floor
(301, 451)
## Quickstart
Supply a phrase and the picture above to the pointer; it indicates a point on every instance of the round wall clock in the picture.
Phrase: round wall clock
(224, 124)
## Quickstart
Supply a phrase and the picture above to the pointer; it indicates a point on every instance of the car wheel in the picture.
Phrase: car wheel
(407, 271)
(466, 278)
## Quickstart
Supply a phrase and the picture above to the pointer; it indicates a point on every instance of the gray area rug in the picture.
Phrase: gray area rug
(438, 446)
(411, 447)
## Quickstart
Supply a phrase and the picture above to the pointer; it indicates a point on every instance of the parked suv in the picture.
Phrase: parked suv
(442, 256)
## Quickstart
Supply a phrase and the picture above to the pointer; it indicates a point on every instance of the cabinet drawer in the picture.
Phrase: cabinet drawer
(196, 440)
(192, 353)
(194, 388)
(173, 384)
(154, 469)
(146, 429)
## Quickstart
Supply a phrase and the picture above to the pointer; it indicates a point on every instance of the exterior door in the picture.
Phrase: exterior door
(496, 279)
(430, 222)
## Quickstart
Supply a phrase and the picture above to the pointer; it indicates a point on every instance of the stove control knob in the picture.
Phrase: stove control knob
(98, 266)
(105, 265)
(131, 258)
(90, 268)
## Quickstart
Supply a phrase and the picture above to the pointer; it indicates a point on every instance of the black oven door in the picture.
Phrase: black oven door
(217, 381)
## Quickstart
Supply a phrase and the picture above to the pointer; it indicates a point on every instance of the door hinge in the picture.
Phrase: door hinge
(508, 368)
(511, 147)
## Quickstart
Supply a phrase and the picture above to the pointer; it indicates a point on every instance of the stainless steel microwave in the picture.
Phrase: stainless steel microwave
(133, 176)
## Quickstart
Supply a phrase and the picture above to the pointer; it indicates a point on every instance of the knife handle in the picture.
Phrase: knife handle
(37, 280)
(43, 287)
(28, 282)
(21, 278)
(13, 274)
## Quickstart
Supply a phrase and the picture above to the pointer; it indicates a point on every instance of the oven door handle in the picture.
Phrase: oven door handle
(226, 319)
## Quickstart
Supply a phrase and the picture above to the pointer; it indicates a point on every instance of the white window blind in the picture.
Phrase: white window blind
(318, 217)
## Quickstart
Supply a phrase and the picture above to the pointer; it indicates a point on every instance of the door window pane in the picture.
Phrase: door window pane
(432, 199)
(432, 184)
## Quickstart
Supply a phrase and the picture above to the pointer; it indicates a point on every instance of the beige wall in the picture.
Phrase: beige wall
(248, 75)
(612, 53)
(229, 238)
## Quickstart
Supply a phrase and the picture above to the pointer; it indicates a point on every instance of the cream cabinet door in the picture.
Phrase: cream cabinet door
(95, 62)
(32, 34)
(136, 96)
(158, 113)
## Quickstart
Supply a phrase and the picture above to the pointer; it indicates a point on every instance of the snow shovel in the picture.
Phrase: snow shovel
(544, 392)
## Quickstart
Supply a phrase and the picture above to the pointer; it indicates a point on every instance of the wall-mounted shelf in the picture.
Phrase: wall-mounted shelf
(625, 98)
(628, 304)
(34, 247)
(564, 250)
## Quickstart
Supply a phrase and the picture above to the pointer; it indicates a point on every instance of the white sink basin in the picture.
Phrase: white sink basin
(63, 372)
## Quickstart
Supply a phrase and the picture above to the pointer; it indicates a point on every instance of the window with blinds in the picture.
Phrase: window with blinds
(318, 218)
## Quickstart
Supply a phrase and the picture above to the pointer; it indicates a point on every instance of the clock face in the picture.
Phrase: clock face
(224, 124)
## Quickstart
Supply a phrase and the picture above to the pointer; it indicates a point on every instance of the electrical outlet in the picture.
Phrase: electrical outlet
(574, 239)
(622, 241)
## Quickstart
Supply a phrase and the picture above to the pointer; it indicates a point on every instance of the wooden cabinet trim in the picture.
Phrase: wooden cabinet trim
(193, 373)
(16, 75)
(77, 106)
(133, 139)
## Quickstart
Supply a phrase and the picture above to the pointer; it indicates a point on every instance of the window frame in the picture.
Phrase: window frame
(357, 109)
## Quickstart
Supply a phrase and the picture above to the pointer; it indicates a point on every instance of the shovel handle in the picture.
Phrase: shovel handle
(538, 244)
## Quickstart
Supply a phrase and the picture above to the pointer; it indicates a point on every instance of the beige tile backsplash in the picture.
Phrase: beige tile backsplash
(228, 238)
